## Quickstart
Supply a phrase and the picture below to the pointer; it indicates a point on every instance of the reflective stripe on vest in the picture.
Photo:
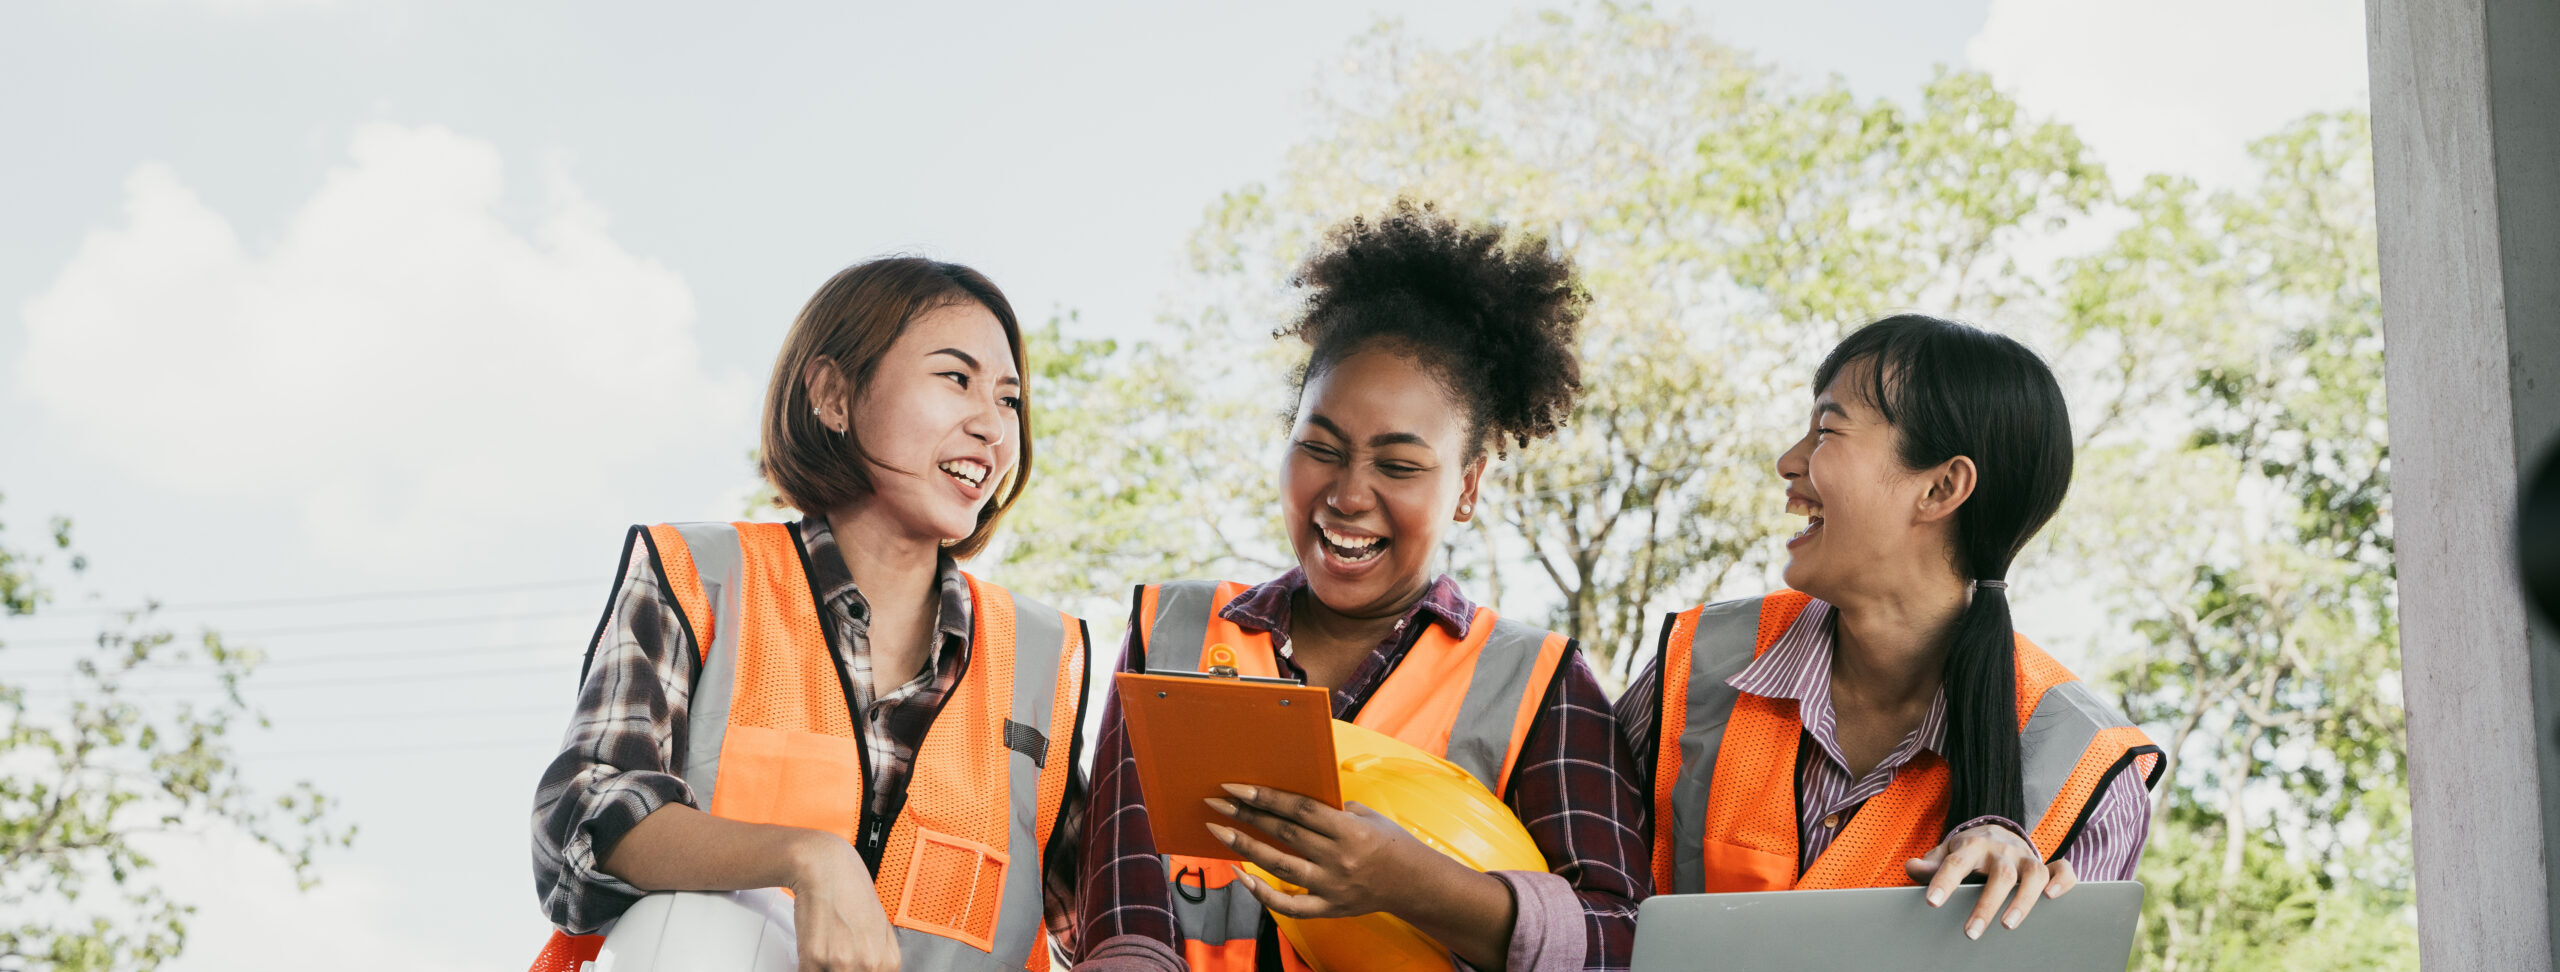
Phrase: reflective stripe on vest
(1504, 665)
(1724, 779)
(772, 740)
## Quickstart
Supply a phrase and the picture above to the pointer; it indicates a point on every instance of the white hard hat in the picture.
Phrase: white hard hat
(703, 931)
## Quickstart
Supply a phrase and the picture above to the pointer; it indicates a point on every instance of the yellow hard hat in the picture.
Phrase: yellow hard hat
(1438, 803)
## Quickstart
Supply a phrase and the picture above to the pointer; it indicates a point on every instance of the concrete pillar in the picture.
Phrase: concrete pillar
(2466, 126)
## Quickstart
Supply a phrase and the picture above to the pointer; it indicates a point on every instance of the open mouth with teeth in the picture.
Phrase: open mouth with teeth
(1812, 515)
(969, 472)
(1349, 548)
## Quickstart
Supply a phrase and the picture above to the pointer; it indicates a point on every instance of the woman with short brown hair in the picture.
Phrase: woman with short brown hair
(832, 706)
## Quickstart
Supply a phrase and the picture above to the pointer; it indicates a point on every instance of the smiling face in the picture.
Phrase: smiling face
(1377, 467)
(1870, 521)
(939, 414)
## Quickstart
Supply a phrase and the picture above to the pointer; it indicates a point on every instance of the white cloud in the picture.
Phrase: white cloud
(401, 364)
(2176, 86)
(251, 916)
(254, 7)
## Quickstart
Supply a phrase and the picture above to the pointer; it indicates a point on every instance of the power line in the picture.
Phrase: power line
(561, 710)
(333, 658)
(440, 747)
(254, 686)
(401, 625)
(318, 599)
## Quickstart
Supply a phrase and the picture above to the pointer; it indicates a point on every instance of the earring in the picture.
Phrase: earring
(1466, 509)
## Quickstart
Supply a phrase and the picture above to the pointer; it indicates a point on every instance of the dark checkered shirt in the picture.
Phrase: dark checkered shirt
(1573, 789)
(624, 752)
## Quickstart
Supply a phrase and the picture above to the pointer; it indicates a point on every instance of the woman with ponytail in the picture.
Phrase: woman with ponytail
(1880, 722)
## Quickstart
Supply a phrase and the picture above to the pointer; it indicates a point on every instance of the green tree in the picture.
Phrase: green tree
(1146, 467)
(2221, 351)
(91, 769)
(1728, 224)
(2250, 555)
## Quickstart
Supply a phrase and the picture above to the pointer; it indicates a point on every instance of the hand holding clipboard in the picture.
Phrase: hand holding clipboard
(1190, 733)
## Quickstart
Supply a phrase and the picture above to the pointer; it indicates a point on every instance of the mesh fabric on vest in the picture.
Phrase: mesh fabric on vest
(786, 671)
(2101, 757)
(565, 952)
(685, 583)
(1054, 773)
(947, 852)
(2038, 673)
(1678, 646)
(1751, 802)
(1894, 826)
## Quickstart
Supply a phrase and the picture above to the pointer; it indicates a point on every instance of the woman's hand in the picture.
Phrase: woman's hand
(1353, 861)
(2005, 860)
(1350, 861)
(842, 928)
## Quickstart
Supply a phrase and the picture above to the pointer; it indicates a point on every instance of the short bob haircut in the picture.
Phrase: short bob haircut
(851, 321)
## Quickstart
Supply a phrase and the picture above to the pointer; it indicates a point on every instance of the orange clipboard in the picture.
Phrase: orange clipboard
(1190, 733)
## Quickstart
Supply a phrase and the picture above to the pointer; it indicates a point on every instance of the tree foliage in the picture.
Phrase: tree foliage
(1728, 223)
(2221, 352)
(89, 769)
(2250, 553)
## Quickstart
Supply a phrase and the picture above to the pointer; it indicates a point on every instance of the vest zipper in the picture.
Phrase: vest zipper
(875, 839)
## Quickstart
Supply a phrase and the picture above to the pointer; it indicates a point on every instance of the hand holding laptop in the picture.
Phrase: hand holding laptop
(2005, 860)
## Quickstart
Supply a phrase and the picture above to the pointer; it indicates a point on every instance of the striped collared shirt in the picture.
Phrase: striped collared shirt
(1798, 667)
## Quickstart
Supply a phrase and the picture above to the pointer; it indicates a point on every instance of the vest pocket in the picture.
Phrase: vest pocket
(1734, 867)
(954, 888)
(795, 779)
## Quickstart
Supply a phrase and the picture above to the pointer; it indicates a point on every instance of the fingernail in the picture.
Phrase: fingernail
(2053, 891)
(1937, 896)
(1238, 791)
(2010, 921)
(1973, 929)
(1224, 835)
(1221, 806)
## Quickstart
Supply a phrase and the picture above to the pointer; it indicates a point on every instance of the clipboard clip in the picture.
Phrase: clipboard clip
(1221, 661)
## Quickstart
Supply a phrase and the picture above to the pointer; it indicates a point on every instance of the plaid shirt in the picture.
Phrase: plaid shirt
(1573, 790)
(1798, 667)
(623, 755)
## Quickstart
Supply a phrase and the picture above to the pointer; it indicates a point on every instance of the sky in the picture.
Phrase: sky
(312, 300)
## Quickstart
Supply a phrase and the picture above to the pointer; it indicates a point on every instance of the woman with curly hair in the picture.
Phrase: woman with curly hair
(1433, 346)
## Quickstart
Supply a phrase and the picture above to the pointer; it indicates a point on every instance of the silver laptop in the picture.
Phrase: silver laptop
(2087, 930)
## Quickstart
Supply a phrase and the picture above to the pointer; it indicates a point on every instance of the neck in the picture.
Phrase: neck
(1309, 615)
(1890, 647)
(893, 565)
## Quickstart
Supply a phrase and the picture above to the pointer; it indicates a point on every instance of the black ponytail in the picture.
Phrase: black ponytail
(1950, 390)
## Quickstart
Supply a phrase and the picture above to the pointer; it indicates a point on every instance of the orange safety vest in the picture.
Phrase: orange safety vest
(773, 741)
(1470, 702)
(1724, 780)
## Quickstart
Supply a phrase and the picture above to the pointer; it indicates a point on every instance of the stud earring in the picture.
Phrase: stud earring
(1466, 509)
